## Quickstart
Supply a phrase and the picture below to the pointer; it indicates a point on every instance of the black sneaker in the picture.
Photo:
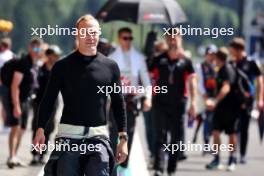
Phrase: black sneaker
(171, 173)
(182, 158)
(42, 160)
(34, 161)
(10, 163)
(206, 153)
(243, 160)
(214, 165)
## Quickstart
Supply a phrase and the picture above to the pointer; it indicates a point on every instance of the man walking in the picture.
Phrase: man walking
(207, 88)
(78, 77)
(5, 55)
(19, 92)
(174, 71)
(133, 70)
(225, 107)
(252, 72)
(53, 54)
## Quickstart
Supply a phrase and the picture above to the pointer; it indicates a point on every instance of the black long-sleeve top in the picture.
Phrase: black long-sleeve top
(77, 77)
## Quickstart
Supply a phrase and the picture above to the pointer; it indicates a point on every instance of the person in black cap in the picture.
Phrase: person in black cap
(207, 87)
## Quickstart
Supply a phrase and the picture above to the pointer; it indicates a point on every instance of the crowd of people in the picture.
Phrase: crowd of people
(229, 81)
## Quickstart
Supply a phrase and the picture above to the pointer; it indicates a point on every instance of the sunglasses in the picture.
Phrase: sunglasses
(127, 38)
(36, 49)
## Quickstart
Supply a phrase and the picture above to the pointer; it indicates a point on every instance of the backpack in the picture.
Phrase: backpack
(7, 72)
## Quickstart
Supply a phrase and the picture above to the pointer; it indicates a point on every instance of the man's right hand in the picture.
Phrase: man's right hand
(17, 111)
(39, 137)
(210, 104)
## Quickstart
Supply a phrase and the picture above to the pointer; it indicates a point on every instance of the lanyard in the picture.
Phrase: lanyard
(171, 70)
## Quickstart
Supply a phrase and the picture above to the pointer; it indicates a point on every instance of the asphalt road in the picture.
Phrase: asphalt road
(193, 166)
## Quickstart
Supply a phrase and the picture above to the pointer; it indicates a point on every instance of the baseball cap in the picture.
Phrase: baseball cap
(54, 49)
(210, 49)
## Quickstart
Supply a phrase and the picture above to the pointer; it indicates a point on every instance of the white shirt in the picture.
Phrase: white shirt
(133, 68)
(5, 56)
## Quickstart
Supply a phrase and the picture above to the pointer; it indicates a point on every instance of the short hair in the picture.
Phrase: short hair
(222, 54)
(124, 29)
(237, 43)
(86, 17)
(6, 42)
(36, 41)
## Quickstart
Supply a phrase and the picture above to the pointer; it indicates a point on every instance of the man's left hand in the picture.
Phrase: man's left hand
(121, 151)
(260, 104)
(147, 104)
(192, 110)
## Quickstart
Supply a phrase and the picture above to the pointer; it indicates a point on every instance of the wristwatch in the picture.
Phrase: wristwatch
(124, 137)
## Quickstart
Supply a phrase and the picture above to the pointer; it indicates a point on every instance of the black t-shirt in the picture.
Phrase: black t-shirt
(174, 75)
(251, 69)
(227, 73)
(77, 77)
(24, 66)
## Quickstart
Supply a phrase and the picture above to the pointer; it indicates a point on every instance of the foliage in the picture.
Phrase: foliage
(26, 14)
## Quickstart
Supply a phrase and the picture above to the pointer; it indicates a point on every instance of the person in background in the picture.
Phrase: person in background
(160, 46)
(5, 55)
(225, 106)
(252, 71)
(207, 88)
(105, 47)
(52, 54)
(19, 92)
(173, 71)
(133, 69)
(5, 51)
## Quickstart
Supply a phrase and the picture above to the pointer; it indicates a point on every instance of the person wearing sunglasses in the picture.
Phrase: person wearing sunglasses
(133, 70)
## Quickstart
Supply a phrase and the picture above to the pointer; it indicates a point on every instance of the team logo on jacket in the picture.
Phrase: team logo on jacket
(163, 61)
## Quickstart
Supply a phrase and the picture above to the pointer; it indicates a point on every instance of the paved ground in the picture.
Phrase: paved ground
(23, 153)
(194, 165)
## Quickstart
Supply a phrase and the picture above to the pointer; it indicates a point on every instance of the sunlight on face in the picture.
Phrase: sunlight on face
(88, 34)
